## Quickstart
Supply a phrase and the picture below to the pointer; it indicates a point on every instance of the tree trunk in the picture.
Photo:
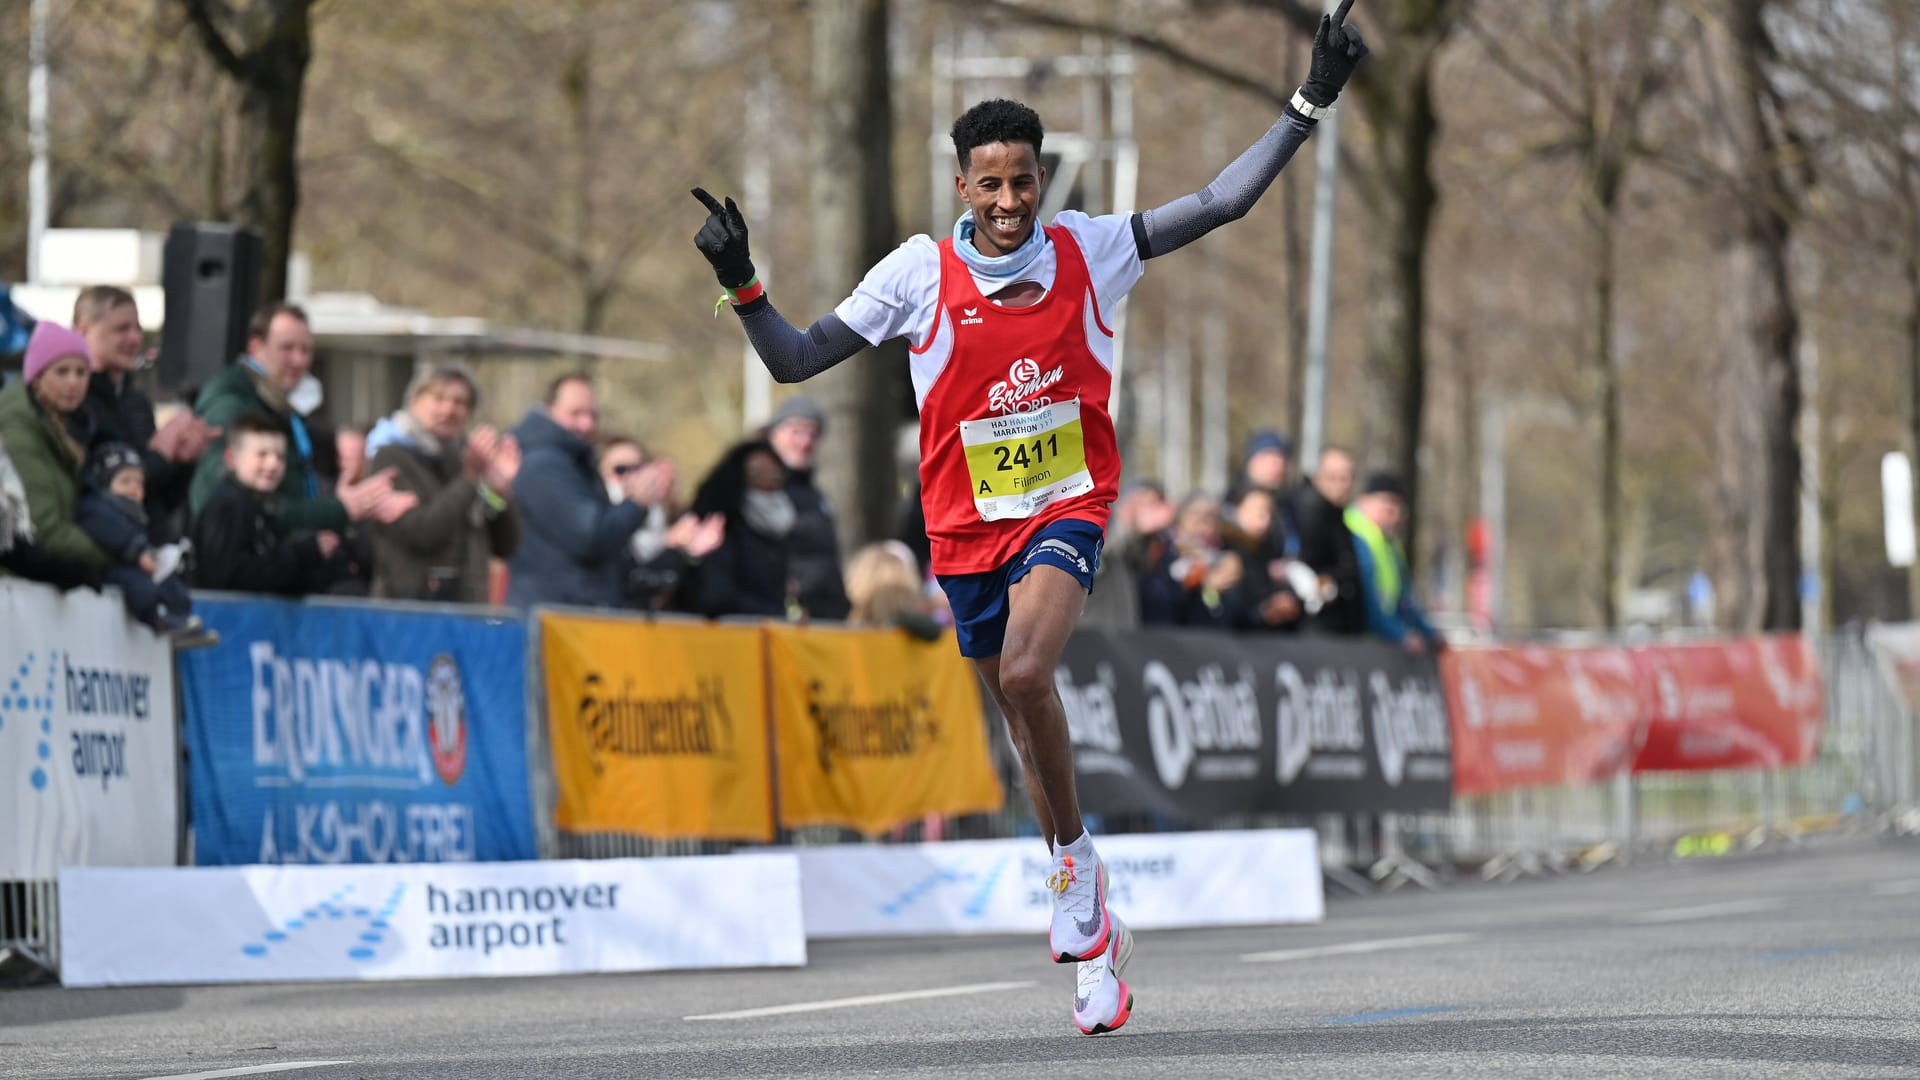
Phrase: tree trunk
(1401, 200)
(265, 50)
(1757, 499)
(269, 149)
(1913, 419)
(1602, 215)
(853, 228)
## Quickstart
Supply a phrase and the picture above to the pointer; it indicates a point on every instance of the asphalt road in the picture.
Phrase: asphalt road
(1802, 964)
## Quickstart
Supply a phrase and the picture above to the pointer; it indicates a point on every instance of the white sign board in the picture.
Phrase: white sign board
(88, 741)
(1157, 881)
(427, 920)
(1896, 494)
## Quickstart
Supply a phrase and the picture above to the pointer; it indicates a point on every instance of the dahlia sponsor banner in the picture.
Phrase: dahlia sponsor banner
(658, 729)
(1538, 716)
(88, 743)
(873, 728)
(342, 733)
(1155, 881)
(1193, 724)
(1754, 702)
(287, 923)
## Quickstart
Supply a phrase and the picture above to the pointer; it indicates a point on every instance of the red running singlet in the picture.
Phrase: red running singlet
(1014, 431)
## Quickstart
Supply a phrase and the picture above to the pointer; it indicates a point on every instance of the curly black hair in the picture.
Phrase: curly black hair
(998, 120)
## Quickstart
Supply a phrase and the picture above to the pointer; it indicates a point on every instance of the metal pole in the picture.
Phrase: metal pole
(756, 197)
(37, 107)
(1320, 293)
(1493, 505)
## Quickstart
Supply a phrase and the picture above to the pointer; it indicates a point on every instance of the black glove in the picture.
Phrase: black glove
(723, 240)
(1337, 50)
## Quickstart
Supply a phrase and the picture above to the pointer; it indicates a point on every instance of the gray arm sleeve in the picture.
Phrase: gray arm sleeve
(1228, 198)
(793, 354)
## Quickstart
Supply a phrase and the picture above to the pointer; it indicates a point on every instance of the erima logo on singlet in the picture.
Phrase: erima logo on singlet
(972, 317)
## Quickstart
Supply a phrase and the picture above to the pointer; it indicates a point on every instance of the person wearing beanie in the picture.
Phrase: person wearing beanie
(46, 433)
(113, 513)
(795, 429)
(1376, 519)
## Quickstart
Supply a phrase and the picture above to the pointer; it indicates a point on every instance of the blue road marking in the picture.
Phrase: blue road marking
(1801, 954)
(1391, 1014)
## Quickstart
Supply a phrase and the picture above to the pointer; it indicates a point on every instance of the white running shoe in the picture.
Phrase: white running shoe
(1082, 928)
(1101, 1001)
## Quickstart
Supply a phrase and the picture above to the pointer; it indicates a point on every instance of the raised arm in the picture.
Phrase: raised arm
(790, 353)
(1337, 50)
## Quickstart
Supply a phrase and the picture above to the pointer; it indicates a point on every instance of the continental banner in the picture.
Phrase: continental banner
(658, 729)
(874, 728)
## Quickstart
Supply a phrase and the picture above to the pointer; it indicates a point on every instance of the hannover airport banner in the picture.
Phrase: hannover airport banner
(300, 923)
(658, 729)
(1754, 702)
(1194, 724)
(88, 743)
(874, 728)
(1537, 716)
(332, 733)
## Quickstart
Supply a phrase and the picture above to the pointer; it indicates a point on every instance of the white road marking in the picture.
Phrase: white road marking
(1352, 947)
(1702, 911)
(865, 999)
(1896, 888)
(250, 1070)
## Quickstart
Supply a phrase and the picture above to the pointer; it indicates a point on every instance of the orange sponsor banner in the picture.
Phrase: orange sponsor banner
(1755, 702)
(658, 729)
(875, 728)
(1538, 716)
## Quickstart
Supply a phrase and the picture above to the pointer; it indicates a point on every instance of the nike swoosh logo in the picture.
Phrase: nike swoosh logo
(1080, 1004)
(1092, 926)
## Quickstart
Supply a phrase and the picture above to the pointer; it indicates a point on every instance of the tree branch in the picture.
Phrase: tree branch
(200, 13)
(1166, 50)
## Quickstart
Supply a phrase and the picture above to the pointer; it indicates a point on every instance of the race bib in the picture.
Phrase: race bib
(1022, 463)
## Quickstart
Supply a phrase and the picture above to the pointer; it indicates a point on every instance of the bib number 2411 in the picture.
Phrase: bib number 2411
(1021, 463)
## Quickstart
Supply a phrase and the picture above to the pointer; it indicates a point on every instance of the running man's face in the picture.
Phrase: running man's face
(1002, 188)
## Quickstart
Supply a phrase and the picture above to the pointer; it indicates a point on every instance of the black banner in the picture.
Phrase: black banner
(1195, 724)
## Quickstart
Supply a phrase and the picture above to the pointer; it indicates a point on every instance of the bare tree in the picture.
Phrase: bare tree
(1596, 65)
(853, 227)
(264, 47)
(1862, 76)
(1755, 555)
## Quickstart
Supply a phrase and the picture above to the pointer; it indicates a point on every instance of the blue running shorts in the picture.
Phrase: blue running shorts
(979, 601)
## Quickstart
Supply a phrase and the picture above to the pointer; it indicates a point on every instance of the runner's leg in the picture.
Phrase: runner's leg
(1042, 608)
(989, 670)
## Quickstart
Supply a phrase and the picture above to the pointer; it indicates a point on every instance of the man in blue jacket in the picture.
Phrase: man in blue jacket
(1375, 519)
(573, 543)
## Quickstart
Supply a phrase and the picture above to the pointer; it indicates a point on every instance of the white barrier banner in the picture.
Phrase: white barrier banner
(88, 741)
(428, 921)
(1157, 881)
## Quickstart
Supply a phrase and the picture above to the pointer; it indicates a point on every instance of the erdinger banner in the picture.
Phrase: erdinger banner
(658, 729)
(1754, 702)
(1195, 724)
(874, 728)
(288, 923)
(88, 744)
(1155, 881)
(331, 733)
(1537, 716)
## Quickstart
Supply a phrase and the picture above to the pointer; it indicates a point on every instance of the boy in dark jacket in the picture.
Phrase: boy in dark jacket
(236, 540)
(112, 512)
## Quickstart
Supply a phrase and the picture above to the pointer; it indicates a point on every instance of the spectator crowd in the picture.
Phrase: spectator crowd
(241, 492)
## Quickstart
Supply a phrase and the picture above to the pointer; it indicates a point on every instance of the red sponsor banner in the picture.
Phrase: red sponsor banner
(1754, 702)
(1539, 716)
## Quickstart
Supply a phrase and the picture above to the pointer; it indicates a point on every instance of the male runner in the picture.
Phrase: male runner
(1012, 369)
